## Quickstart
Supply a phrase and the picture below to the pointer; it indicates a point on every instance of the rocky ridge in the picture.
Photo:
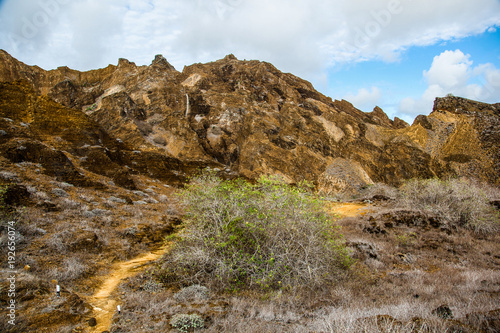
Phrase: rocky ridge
(89, 159)
(245, 118)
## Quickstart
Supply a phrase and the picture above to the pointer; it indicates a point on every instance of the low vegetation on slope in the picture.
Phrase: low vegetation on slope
(266, 236)
(413, 268)
(457, 202)
(425, 256)
(453, 203)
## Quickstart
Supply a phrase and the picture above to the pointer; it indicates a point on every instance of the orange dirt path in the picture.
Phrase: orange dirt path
(103, 302)
(348, 209)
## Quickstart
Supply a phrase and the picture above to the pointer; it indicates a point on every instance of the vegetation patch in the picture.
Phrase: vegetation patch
(267, 236)
(195, 292)
(457, 202)
(187, 322)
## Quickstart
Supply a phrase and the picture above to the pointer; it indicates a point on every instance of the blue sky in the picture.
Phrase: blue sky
(397, 54)
(404, 78)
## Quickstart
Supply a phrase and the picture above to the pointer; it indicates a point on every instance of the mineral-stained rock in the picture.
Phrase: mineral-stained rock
(443, 311)
(343, 175)
(55, 162)
(410, 218)
(16, 195)
(92, 322)
(85, 241)
(243, 117)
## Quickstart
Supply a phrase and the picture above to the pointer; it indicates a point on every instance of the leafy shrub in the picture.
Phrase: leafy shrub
(152, 286)
(266, 235)
(458, 202)
(405, 239)
(186, 322)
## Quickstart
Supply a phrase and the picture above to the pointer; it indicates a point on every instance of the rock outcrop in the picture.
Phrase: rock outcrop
(245, 118)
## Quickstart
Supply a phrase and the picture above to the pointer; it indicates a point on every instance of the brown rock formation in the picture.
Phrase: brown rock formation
(244, 117)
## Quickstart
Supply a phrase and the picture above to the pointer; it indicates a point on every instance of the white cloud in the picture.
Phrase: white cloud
(453, 72)
(297, 36)
(365, 99)
(450, 70)
(94, 24)
(304, 38)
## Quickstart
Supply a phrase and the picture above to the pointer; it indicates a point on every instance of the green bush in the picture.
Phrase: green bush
(266, 235)
(186, 322)
(458, 202)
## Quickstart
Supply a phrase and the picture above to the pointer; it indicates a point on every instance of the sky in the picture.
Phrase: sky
(396, 54)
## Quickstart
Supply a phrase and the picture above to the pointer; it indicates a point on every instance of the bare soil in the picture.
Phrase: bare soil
(104, 301)
(351, 209)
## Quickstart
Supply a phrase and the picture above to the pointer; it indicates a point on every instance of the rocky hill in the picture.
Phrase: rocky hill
(88, 160)
(245, 118)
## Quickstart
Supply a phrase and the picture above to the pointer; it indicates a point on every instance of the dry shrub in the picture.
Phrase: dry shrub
(194, 292)
(71, 269)
(263, 236)
(458, 202)
(378, 190)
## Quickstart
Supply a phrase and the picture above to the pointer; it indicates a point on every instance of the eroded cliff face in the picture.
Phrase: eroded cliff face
(245, 118)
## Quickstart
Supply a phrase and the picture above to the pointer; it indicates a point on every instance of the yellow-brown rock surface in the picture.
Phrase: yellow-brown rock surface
(244, 117)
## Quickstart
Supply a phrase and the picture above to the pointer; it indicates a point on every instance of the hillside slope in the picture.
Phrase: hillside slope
(246, 118)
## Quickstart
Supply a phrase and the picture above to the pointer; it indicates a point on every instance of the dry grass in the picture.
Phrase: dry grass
(250, 314)
(378, 191)
(70, 269)
(458, 202)
(407, 272)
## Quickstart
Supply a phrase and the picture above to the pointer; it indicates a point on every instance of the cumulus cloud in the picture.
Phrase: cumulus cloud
(305, 38)
(28, 25)
(453, 72)
(297, 36)
(365, 99)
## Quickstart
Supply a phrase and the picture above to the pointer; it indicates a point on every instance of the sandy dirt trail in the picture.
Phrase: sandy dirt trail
(103, 301)
(105, 304)
(351, 209)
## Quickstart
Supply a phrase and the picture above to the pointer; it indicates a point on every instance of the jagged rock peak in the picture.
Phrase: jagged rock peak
(122, 62)
(400, 123)
(377, 111)
(230, 57)
(247, 118)
(422, 121)
(161, 61)
(380, 117)
(460, 105)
